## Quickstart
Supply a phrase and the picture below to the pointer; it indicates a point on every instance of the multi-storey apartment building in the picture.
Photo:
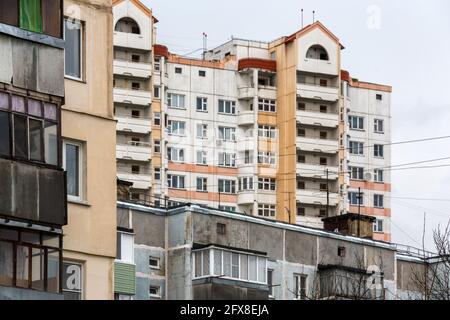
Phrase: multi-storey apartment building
(133, 56)
(89, 145)
(33, 207)
(195, 253)
(268, 129)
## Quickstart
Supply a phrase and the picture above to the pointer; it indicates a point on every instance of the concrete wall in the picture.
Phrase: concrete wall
(8, 293)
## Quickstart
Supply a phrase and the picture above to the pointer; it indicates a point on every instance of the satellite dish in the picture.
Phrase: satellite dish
(368, 176)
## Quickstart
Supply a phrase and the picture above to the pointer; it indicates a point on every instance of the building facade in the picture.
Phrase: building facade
(89, 145)
(33, 207)
(193, 252)
(273, 129)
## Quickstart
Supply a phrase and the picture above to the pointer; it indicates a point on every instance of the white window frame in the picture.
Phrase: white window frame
(227, 160)
(376, 125)
(203, 129)
(157, 64)
(157, 89)
(227, 133)
(267, 132)
(359, 148)
(271, 209)
(80, 23)
(175, 154)
(245, 184)
(359, 120)
(267, 105)
(267, 158)
(158, 295)
(204, 157)
(377, 173)
(377, 224)
(80, 147)
(232, 106)
(267, 184)
(298, 284)
(176, 97)
(158, 264)
(222, 184)
(356, 173)
(179, 178)
(376, 151)
(131, 235)
(203, 102)
(204, 184)
(180, 124)
(377, 198)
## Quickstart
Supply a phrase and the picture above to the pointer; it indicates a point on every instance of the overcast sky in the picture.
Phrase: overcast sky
(405, 44)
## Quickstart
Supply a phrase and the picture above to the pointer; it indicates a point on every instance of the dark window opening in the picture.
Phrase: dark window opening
(221, 228)
(202, 73)
(341, 252)
(127, 25)
(135, 58)
(178, 70)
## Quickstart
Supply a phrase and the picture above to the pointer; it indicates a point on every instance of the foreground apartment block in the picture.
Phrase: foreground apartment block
(198, 253)
(271, 129)
(89, 143)
(33, 207)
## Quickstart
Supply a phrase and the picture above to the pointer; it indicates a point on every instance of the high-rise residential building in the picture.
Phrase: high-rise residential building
(272, 129)
(88, 153)
(133, 92)
(33, 207)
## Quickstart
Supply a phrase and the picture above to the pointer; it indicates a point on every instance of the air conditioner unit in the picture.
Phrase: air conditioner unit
(368, 176)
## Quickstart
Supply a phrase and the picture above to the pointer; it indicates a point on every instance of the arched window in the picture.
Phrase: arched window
(127, 25)
(317, 52)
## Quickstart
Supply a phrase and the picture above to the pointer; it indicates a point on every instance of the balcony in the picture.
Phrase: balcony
(32, 193)
(318, 66)
(137, 151)
(328, 120)
(316, 92)
(246, 169)
(314, 197)
(246, 118)
(246, 197)
(318, 145)
(135, 125)
(246, 93)
(132, 69)
(129, 96)
(316, 171)
(246, 144)
(140, 181)
(131, 40)
(267, 92)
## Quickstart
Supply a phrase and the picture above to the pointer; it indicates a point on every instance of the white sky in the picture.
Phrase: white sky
(410, 51)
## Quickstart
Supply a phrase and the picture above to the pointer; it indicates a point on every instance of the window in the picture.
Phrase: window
(227, 159)
(301, 106)
(267, 132)
(266, 210)
(323, 187)
(30, 15)
(267, 105)
(301, 132)
(268, 184)
(157, 174)
(175, 154)
(378, 150)
(127, 25)
(245, 183)
(221, 228)
(227, 208)
(378, 226)
(202, 131)
(341, 252)
(202, 157)
(135, 169)
(227, 107)
(356, 148)
(176, 128)
(300, 211)
(227, 186)
(323, 161)
(322, 213)
(154, 263)
(135, 58)
(154, 292)
(202, 104)
(157, 118)
(227, 134)
(379, 97)
(202, 73)
(317, 52)
(355, 199)
(73, 165)
(72, 281)
(135, 113)
(73, 48)
(323, 109)
(378, 176)
(248, 157)
(356, 123)
(378, 201)
(175, 181)
(178, 70)
(157, 92)
(125, 247)
(230, 264)
(157, 146)
(202, 184)
(300, 286)
(176, 101)
(5, 138)
(356, 173)
(157, 65)
(267, 158)
(135, 86)
(301, 185)
(323, 135)
(323, 83)
(378, 126)
(301, 158)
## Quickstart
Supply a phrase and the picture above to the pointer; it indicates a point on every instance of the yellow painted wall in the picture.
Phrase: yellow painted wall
(90, 236)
